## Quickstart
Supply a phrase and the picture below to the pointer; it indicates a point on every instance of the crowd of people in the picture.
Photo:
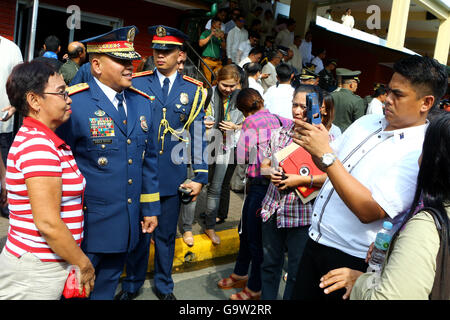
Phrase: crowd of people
(236, 36)
(103, 167)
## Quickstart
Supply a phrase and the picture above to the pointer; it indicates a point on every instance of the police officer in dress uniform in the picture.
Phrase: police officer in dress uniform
(177, 103)
(347, 105)
(307, 76)
(112, 138)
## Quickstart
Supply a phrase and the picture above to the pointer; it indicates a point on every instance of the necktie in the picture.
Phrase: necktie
(121, 108)
(165, 88)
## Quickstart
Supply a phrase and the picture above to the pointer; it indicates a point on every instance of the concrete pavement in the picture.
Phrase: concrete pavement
(197, 269)
(203, 255)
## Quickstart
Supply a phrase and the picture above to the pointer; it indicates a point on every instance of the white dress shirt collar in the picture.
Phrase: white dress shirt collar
(111, 94)
(161, 78)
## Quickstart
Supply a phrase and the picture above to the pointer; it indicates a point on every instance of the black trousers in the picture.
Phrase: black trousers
(318, 260)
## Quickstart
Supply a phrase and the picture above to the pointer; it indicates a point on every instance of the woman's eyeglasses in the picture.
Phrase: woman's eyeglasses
(64, 94)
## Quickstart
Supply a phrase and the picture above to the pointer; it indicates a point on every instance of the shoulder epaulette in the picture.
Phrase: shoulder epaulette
(141, 74)
(77, 88)
(140, 92)
(194, 81)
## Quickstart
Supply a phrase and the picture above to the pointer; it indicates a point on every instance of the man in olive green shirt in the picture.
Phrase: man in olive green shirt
(347, 105)
(212, 41)
(77, 56)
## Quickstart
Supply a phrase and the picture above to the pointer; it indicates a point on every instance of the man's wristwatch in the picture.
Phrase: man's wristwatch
(328, 159)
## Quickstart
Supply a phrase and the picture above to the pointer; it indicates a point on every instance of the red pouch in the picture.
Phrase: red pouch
(71, 287)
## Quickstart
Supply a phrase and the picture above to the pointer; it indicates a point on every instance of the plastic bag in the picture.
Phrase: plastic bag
(71, 287)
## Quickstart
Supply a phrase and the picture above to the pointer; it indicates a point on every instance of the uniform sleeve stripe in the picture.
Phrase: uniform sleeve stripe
(151, 197)
(200, 170)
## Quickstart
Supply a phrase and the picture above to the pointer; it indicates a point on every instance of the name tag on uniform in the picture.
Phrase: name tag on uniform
(102, 141)
(101, 127)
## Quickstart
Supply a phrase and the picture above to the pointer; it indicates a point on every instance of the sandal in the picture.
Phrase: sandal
(188, 238)
(245, 295)
(215, 239)
(230, 283)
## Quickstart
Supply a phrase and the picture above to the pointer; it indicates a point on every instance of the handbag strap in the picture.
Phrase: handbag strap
(441, 284)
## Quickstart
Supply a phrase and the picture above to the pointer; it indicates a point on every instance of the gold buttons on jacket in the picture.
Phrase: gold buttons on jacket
(129, 141)
(130, 181)
(130, 161)
(129, 200)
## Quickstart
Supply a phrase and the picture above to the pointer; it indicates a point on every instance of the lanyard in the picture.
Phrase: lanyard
(227, 104)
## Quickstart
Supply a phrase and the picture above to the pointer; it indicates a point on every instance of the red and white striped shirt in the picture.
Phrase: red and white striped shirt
(39, 152)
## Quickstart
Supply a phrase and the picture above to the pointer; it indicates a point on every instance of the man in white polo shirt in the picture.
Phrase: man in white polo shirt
(278, 99)
(235, 37)
(372, 171)
(270, 69)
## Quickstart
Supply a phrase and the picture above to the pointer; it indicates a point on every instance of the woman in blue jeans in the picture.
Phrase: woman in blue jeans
(253, 140)
(225, 120)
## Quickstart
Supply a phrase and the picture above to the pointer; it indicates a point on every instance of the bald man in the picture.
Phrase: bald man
(77, 56)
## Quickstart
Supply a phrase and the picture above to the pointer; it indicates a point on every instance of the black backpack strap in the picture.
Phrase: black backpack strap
(279, 120)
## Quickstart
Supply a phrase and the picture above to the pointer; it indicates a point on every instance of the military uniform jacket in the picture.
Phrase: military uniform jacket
(173, 153)
(348, 107)
(119, 163)
(68, 70)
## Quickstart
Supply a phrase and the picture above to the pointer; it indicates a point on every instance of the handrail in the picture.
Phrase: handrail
(201, 60)
(199, 71)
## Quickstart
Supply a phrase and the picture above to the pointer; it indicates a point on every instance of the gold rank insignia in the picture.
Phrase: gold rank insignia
(77, 88)
(144, 124)
(161, 32)
(184, 98)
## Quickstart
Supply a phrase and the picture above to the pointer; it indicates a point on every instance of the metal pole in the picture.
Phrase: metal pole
(33, 30)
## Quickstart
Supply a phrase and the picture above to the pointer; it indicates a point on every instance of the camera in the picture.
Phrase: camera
(185, 196)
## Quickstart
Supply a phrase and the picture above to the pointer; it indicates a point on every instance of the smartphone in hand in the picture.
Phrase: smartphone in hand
(313, 109)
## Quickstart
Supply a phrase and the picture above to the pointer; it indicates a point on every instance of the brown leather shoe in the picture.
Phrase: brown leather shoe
(188, 238)
(213, 236)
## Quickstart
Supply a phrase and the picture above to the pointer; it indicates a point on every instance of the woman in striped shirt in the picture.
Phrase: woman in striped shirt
(45, 189)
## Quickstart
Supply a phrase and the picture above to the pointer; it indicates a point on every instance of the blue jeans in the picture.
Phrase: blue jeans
(275, 242)
(250, 247)
(218, 170)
